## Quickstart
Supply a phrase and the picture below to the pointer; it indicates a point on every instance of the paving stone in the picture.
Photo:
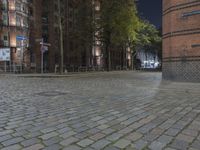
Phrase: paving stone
(172, 132)
(156, 145)
(5, 132)
(192, 148)
(150, 137)
(72, 147)
(53, 147)
(97, 118)
(31, 135)
(134, 136)
(64, 130)
(97, 136)
(88, 148)
(100, 144)
(178, 144)
(140, 144)
(108, 131)
(146, 128)
(35, 147)
(47, 130)
(93, 131)
(165, 139)
(68, 141)
(53, 140)
(198, 137)
(68, 134)
(103, 126)
(49, 135)
(169, 148)
(85, 142)
(196, 144)
(12, 141)
(30, 142)
(122, 143)
(185, 138)
(125, 131)
(5, 137)
(103, 121)
(113, 137)
(111, 148)
(190, 132)
(12, 147)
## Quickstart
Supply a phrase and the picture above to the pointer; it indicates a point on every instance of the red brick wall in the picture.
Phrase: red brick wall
(180, 34)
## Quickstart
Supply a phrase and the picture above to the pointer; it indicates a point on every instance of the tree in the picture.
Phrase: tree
(84, 27)
(147, 35)
(60, 24)
(118, 24)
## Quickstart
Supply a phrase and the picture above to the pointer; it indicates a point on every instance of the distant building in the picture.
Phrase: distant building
(181, 40)
(148, 59)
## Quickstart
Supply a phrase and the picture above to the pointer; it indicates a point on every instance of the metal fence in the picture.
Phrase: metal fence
(11, 68)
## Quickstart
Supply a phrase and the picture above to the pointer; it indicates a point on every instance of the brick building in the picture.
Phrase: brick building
(78, 53)
(14, 30)
(181, 40)
(33, 20)
(45, 26)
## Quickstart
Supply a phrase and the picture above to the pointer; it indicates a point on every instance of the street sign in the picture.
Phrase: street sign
(46, 44)
(44, 48)
(38, 40)
(21, 38)
(4, 54)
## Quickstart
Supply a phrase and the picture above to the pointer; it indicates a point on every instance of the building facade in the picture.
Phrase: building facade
(181, 40)
(14, 31)
(26, 23)
(79, 53)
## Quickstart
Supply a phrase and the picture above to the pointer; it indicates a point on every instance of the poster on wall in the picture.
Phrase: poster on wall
(4, 54)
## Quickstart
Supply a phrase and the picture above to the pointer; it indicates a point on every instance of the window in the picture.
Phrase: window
(5, 38)
(5, 19)
(188, 14)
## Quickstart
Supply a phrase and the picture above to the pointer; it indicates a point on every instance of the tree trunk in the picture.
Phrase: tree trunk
(61, 38)
(108, 60)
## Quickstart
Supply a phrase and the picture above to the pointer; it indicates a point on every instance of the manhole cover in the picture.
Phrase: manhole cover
(51, 93)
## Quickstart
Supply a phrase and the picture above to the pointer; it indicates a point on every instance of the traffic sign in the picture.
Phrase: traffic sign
(21, 38)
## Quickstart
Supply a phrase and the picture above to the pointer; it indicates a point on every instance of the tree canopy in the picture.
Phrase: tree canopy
(148, 35)
(119, 21)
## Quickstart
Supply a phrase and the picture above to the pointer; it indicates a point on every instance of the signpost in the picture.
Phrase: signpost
(21, 38)
(5, 56)
(44, 48)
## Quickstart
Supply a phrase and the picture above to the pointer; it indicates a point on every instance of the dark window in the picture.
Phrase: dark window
(196, 12)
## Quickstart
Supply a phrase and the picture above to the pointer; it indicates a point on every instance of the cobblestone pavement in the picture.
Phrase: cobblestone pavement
(110, 111)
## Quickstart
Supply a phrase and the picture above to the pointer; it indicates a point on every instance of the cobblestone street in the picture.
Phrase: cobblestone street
(109, 111)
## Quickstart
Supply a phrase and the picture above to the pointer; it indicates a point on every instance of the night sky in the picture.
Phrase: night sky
(151, 10)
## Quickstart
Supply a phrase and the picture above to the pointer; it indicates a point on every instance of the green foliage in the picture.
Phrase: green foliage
(118, 22)
(148, 35)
